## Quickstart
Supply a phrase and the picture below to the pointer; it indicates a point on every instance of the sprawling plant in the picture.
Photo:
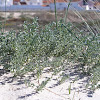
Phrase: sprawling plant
(36, 48)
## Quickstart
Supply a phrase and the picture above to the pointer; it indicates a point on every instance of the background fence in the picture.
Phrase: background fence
(60, 6)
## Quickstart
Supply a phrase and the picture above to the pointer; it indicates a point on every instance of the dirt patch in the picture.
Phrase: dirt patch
(14, 20)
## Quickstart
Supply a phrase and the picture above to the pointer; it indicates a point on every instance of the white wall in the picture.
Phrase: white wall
(6, 2)
(34, 2)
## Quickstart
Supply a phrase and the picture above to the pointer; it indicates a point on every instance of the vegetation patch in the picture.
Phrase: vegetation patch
(35, 48)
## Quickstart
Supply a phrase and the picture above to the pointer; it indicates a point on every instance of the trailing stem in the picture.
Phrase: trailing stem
(55, 14)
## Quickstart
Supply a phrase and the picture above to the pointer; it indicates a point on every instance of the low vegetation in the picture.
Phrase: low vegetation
(35, 48)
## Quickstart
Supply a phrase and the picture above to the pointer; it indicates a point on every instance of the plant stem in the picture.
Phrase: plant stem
(67, 11)
(55, 14)
(5, 17)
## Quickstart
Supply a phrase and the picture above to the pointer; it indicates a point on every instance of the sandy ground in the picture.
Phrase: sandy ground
(73, 16)
(14, 20)
(15, 89)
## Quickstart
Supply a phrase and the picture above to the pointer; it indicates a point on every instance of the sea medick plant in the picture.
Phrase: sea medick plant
(31, 49)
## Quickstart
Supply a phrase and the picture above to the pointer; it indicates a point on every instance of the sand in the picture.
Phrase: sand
(12, 88)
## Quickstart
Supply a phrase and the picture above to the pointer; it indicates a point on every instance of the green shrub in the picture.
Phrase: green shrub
(31, 49)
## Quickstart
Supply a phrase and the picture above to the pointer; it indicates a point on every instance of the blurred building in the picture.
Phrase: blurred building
(87, 4)
(27, 2)
(6, 2)
(49, 4)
